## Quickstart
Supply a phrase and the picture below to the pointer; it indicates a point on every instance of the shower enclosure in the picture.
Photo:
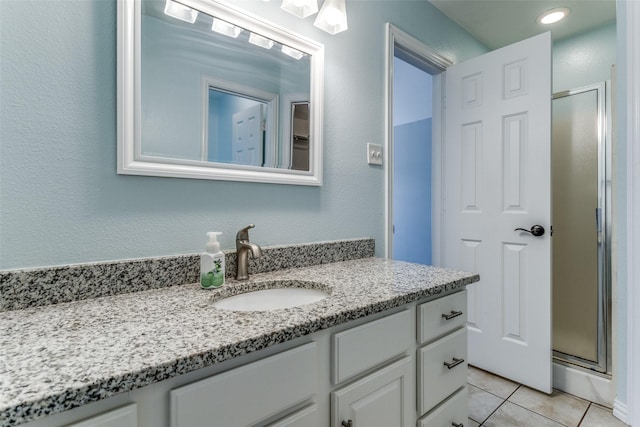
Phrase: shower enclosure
(581, 229)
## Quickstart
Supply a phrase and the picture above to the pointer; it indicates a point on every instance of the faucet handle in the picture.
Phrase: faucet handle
(244, 233)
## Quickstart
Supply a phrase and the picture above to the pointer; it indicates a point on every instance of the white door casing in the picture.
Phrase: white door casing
(496, 178)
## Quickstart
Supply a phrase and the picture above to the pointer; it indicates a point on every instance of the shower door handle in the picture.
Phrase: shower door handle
(536, 230)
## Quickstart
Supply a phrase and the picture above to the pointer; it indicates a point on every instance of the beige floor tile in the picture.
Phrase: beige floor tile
(473, 423)
(598, 416)
(511, 415)
(558, 406)
(487, 381)
(482, 404)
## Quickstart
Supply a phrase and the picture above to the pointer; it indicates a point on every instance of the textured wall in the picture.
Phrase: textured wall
(584, 59)
(61, 199)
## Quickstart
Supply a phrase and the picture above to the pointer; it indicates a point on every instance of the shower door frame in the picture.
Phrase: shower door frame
(603, 220)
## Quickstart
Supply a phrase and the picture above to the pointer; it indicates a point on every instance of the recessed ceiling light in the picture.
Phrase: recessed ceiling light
(554, 15)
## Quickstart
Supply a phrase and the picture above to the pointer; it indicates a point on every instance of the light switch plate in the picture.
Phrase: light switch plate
(374, 154)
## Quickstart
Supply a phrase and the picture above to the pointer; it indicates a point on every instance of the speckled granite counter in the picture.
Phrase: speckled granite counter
(58, 357)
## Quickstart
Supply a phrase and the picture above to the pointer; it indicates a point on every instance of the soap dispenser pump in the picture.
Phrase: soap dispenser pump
(212, 263)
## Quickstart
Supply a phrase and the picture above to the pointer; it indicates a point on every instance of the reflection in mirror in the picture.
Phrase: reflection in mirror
(239, 124)
(217, 94)
(300, 136)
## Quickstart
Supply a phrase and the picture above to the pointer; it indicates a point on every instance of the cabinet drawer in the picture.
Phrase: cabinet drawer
(249, 393)
(127, 416)
(363, 347)
(453, 411)
(436, 380)
(441, 316)
(306, 417)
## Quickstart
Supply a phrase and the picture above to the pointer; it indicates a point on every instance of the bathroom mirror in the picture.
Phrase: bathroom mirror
(207, 91)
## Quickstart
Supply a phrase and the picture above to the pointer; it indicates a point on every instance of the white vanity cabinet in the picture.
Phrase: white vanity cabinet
(388, 369)
(441, 361)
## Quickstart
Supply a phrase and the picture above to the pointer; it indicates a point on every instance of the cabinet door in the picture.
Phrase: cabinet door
(126, 416)
(381, 399)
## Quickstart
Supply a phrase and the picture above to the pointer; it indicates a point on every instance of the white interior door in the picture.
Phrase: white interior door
(248, 140)
(497, 178)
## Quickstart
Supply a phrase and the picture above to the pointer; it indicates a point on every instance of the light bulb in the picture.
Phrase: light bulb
(223, 27)
(554, 15)
(180, 11)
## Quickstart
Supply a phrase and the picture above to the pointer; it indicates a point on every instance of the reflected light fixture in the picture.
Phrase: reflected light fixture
(332, 17)
(294, 53)
(223, 27)
(180, 11)
(261, 41)
(554, 15)
(300, 8)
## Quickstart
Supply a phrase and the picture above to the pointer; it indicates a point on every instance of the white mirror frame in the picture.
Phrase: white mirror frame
(129, 159)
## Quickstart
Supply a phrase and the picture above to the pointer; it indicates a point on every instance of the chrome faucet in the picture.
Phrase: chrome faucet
(243, 247)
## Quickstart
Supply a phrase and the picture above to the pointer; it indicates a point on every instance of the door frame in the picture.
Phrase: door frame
(427, 59)
(629, 55)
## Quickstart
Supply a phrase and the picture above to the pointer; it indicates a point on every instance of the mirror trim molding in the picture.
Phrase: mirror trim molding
(129, 160)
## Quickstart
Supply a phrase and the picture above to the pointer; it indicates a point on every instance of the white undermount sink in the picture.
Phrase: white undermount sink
(271, 299)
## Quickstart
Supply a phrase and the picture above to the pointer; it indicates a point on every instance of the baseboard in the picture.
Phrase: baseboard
(620, 411)
(581, 383)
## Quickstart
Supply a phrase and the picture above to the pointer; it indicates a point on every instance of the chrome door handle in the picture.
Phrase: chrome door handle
(451, 315)
(536, 230)
(453, 363)
(347, 423)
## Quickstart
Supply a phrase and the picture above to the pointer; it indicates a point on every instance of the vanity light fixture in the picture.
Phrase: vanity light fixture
(332, 17)
(554, 15)
(223, 27)
(300, 8)
(180, 11)
(294, 53)
(261, 41)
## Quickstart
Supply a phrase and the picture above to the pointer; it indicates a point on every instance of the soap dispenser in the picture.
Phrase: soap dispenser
(212, 263)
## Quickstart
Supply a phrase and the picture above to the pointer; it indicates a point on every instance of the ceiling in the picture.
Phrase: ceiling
(497, 23)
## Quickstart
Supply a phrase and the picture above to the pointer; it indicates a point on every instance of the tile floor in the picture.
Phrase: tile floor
(495, 401)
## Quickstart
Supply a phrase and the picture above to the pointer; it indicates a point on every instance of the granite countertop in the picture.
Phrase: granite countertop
(59, 357)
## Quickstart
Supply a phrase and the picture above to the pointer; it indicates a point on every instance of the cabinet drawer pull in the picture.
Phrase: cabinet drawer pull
(347, 423)
(452, 315)
(455, 424)
(453, 364)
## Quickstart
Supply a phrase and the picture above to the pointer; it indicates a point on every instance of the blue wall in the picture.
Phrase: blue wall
(412, 192)
(61, 200)
(412, 160)
(584, 59)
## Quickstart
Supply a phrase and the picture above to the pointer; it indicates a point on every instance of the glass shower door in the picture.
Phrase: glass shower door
(580, 267)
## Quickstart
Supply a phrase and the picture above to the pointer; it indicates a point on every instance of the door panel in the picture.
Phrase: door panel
(496, 178)
(248, 140)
